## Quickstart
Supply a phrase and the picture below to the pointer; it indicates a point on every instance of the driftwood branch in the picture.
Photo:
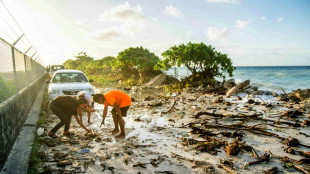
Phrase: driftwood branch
(226, 168)
(165, 112)
(221, 115)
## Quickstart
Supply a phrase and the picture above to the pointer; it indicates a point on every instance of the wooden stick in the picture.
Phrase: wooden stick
(226, 168)
(165, 112)
(285, 93)
(299, 168)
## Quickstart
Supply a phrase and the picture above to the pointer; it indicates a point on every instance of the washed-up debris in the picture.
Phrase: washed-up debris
(155, 104)
(227, 162)
(85, 150)
(210, 145)
(196, 130)
(264, 158)
(306, 123)
(40, 131)
(149, 98)
(291, 142)
(233, 148)
(292, 113)
(64, 163)
(228, 169)
(199, 131)
(233, 134)
(163, 172)
(206, 166)
(271, 170)
(139, 164)
(51, 143)
(165, 112)
(60, 155)
(155, 162)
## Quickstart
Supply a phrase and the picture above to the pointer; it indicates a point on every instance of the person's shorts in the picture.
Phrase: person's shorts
(123, 111)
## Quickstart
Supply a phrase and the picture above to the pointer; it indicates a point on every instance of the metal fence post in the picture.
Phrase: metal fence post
(14, 68)
(14, 64)
(25, 60)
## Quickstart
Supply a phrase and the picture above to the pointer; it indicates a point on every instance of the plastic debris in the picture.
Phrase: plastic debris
(40, 131)
(85, 150)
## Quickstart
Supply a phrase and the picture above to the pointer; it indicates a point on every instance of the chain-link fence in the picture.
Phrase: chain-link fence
(20, 80)
(21, 77)
(17, 70)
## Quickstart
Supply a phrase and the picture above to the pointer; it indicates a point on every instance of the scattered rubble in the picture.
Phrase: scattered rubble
(190, 131)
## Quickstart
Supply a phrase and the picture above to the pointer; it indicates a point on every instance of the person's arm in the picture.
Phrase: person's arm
(80, 113)
(105, 112)
(118, 110)
(81, 124)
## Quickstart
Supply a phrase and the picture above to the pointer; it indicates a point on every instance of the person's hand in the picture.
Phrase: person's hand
(89, 131)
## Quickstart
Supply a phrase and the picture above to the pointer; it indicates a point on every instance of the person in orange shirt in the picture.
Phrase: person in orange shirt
(121, 102)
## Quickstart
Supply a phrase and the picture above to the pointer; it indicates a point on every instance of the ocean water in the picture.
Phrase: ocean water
(271, 78)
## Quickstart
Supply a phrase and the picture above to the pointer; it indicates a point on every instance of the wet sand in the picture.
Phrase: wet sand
(155, 141)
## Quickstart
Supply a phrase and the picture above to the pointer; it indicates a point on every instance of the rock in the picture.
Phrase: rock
(229, 84)
(161, 79)
(306, 105)
(236, 89)
(291, 142)
(250, 101)
(271, 170)
(282, 97)
(257, 93)
(275, 94)
(301, 94)
(268, 93)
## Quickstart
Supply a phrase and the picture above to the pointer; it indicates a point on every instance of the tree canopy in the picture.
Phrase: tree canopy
(137, 62)
(203, 61)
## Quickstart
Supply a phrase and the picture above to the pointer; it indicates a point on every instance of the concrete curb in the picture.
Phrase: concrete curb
(18, 160)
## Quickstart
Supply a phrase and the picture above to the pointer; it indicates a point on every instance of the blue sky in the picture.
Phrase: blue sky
(251, 32)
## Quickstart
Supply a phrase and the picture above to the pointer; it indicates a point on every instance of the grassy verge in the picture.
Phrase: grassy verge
(35, 159)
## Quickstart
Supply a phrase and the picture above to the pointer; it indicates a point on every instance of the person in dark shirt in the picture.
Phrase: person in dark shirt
(64, 107)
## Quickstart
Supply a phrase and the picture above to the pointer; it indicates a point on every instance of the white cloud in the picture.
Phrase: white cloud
(216, 34)
(172, 11)
(263, 18)
(123, 12)
(129, 28)
(280, 19)
(106, 35)
(242, 24)
(226, 1)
